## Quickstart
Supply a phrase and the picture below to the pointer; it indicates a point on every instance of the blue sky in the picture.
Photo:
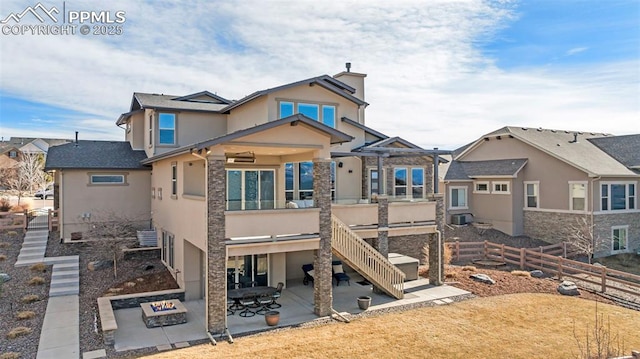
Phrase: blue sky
(440, 73)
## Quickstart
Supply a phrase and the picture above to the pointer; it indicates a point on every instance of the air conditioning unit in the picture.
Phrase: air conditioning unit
(458, 219)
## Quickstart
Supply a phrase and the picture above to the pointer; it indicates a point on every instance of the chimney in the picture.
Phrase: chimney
(76, 144)
(353, 79)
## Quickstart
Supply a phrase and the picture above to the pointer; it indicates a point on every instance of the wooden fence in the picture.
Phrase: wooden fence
(552, 259)
(21, 220)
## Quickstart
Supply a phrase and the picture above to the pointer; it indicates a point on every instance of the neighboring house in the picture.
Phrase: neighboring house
(538, 182)
(251, 190)
(11, 152)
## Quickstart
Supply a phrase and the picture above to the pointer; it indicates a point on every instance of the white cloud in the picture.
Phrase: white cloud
(575, 50)
(427, 80)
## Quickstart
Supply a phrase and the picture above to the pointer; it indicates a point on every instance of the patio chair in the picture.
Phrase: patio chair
(247, 301)
(263, 300)
(338, 273)
(308, 273)
(275, 296)
(230, 305)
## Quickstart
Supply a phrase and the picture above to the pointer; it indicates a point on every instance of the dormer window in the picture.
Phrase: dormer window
(13, 154)
(322, 113)
(167, 128)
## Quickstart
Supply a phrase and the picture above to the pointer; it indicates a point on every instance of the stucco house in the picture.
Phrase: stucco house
(252, 189)
(540, 182)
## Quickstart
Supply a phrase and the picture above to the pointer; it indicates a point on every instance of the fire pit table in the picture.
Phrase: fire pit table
(163, 313)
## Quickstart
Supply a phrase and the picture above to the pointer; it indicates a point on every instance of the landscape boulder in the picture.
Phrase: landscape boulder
(4, 277)
(568, 288)
(537, 273)
(98, 265)
(482, 278)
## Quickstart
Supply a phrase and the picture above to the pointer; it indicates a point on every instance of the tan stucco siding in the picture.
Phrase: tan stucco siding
(553, 174)
(78, 197)
(348, 179)
(182, 215)
(135, 134)
(191, 127)
(248, 115)
(496, 209)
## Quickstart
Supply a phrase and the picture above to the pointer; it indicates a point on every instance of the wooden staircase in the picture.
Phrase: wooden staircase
(365, 259)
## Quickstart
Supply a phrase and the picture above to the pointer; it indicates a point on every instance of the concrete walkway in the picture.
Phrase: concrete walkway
(59, 336)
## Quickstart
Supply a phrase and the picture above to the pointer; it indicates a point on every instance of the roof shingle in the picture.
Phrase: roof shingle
(95, 155)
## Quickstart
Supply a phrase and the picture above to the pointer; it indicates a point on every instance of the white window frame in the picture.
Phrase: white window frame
(536, 189)
(626, 242)
(174, 180)
(174, 143)
(320, 114)
(466, 197)
(150, 130)
(382, 182)
(410, 183)
(586, 195)
(477, 183)
(168, 249)
(407, 178)
(13, 154)
(626, 191)
(500, 183)
(153, 192)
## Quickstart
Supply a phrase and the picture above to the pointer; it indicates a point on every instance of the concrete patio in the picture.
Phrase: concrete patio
(297, 308)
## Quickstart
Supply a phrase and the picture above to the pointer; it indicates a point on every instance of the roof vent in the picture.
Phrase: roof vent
(575, 138)
(539, 129)
(76, 144)
(348, 65)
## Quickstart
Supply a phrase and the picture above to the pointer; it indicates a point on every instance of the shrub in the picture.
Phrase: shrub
(469, 268)
(25, 314)
(3, 257)
(5, 205)
(38, 267)
(36, 281)
(10, 355)
(12, 234)
(521, 273)
(19, 331)
(30, 298)
(5, 244)
(20, 208)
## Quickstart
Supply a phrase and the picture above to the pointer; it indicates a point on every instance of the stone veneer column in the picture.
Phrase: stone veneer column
(436, 251)
(382, 242)
(216, 248)
(322, 285)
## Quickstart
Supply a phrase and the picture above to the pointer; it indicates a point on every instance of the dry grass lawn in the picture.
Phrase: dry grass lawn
(510, 326)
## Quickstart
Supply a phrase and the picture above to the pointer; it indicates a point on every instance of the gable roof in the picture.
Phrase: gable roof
(95, 155)
(467, 170)
(625, 149)
(20, 141)
(365, 128)
(336, 136)
(194, 98)
(325, 81)
(581, 154)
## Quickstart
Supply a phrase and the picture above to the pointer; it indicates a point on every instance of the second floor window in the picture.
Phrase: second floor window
(167, 128)
(578, 194)
(174, 179)
(618, 196)
(321, 113)
(400, 182)
(417, 182)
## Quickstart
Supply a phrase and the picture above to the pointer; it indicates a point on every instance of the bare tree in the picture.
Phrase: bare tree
(583, 238)
(113, 231)
(29, 175)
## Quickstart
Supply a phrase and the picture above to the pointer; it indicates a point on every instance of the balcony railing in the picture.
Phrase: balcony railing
(272, 223)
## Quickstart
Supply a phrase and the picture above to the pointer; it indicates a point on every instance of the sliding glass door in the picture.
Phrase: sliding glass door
(250, 189)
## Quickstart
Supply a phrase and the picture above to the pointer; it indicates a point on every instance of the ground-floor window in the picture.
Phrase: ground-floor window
(167, 248)
(619, 237)
(247, 270)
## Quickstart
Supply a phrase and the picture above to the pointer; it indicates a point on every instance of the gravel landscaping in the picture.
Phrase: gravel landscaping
(11, 299)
